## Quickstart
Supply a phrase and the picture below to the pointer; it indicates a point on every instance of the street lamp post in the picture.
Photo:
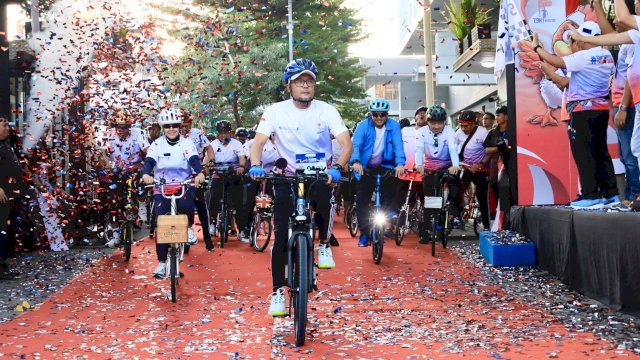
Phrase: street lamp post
(290, 30)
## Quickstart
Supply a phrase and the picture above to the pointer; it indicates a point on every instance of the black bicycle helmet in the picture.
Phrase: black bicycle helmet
(251, 133)
(242, 132)
(436, 113)
(467, 116)
(223, 126)
(404, 123)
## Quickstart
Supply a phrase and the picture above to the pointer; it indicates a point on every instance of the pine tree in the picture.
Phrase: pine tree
(234, 61)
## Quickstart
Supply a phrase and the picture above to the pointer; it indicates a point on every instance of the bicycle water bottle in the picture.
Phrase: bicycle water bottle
(300, 210)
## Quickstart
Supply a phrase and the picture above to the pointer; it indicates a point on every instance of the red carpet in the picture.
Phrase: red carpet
(410, 306)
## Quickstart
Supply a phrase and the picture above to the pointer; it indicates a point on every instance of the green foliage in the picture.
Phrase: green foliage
(464, 15)
(233, 61)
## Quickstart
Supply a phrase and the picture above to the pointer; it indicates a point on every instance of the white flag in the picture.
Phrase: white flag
(512, 27)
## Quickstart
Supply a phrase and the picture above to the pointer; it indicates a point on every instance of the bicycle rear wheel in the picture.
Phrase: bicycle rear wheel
(127, 239)
(377, 245)
(353, 221)
(261, 230)
(301, 272)
(173, 272)
(402, 226)
(445, 230)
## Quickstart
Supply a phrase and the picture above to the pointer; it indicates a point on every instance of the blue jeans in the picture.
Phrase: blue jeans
(630, 161)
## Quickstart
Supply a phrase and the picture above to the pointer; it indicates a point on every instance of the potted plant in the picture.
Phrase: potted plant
(457, 23)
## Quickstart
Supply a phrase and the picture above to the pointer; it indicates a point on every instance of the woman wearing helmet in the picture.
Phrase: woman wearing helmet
(172, 159)
(437, 153)
(228, 151)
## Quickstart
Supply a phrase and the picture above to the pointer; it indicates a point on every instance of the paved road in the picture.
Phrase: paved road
(410, 306)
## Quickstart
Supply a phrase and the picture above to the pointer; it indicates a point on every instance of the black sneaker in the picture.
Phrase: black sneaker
(333, 241)
(209, 245)
(424, 239)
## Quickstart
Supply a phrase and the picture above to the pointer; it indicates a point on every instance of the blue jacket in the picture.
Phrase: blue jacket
(364, 139)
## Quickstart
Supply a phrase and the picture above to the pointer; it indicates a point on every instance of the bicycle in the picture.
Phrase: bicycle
(408, 215)
(225, 215)
(173, 230)
(126, 216)
(301, 273)
(471, 206)
(351, 217)
(379, 218)
(439, 221)
(262, 226)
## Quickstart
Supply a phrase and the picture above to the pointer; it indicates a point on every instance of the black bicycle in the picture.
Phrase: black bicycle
(410, 214)
(351, 216)
(439, 216)
(224, 220)
(301, 274)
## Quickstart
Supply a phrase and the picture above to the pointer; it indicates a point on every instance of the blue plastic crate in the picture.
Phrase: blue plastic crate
(507, 255)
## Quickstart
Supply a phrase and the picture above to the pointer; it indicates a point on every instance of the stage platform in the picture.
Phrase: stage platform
(596, 253)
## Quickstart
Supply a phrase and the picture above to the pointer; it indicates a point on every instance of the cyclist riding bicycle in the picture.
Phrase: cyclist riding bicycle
(241, 135)
(302, 128)
(436, 154)
(125, 152)
(377, 146)
(470, 141)
(228, 151)
(172, 159)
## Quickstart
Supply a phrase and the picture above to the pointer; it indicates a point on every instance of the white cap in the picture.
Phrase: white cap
(303, 72)
(589, 28)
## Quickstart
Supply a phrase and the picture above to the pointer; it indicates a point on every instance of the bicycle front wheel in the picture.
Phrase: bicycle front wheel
(402, 226)
(377, 245)
(301, 270)
(127, 240)
(173, 273)
(261, 230)
(434, 234)
(353, 221)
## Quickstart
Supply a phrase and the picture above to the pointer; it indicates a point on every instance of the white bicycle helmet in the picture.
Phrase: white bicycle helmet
(170, 116)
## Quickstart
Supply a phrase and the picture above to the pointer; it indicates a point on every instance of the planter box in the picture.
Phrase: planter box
(507, 255)
(481, 31)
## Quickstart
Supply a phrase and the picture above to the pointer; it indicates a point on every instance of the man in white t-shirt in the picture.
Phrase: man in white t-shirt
(588, 107)
(202, 147)
(437, 154)
(228, 151)
(377, 147)
(470, 142)
(303, 128)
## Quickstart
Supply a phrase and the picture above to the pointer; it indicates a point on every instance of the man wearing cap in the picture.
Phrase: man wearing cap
(588, 107)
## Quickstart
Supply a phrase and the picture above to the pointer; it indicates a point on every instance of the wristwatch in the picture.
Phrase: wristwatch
(623, 108)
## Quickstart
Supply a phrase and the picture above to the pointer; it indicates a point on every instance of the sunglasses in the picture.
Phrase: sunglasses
(171, 126)
(379, 115)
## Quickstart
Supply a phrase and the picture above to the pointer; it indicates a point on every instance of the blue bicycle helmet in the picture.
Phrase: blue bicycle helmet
(297, 67)
(379, 105)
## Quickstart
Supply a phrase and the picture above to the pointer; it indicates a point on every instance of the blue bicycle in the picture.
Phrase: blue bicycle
(378, 217)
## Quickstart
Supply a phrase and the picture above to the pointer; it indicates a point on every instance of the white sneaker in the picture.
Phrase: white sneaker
(192, 240)
(212, 229)
(142, 211)
(243, 236)
(114, 239)
(278, 301)
(325, 257)
(161, 271)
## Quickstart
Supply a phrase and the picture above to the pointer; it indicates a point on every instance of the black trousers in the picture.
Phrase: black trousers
(203, 214)
(389, 194)
(481, 181)
(320, 196)
(235, 193)
(588, 139)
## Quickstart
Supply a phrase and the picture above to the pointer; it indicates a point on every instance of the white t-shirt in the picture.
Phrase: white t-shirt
(172, 161)
(409, 142)
(437, 154)
(199, 140)
(633, 73)
(269, 154)
(590, 73)
(126, 153)
(474, 151)
(229, 154)
(303, 136)
(378, 147)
